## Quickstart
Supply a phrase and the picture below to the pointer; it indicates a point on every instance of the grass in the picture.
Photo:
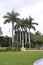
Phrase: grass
(20, 58)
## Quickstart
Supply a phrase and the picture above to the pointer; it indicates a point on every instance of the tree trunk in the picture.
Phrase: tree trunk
(25, 38)
(12, 36)
(22, 38)
(22, 48)
(29, 39)
(9, 39)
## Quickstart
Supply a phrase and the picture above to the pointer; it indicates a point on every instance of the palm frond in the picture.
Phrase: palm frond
(35, 23)
(33, 27)
(7, 20)
(5, 16)
(30, 19)
(15, 14)
(9, 14)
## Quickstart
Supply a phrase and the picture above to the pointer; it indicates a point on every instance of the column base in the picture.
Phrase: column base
(22, 49)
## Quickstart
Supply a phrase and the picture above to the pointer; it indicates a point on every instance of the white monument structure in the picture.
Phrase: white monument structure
(38, 62)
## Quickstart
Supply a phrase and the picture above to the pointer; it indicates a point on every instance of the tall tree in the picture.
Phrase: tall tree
(1, 31)
(23, 30)
(11, 17)
(22, 25)
(16, 31)
(30, 25)
(38, 33)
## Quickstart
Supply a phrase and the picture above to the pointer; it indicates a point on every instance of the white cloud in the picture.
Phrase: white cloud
(32, 10)
(25, 8)
(36, 11)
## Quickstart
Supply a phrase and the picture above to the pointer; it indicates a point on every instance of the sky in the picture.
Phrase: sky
(34, 8)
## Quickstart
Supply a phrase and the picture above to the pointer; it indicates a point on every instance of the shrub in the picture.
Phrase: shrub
(5, 49)
(16, 49)
(2, 49)
(17, 44)
(8, 49)
(32, 48)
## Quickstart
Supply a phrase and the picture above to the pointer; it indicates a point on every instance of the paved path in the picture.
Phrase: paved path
(33, 50)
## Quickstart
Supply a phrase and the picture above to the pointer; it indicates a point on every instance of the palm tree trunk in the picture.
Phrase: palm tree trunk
(9, 39)
(20, 36)
(12, 36)
(22, 39)
(25, 38)
(29, 39)
(22, 48)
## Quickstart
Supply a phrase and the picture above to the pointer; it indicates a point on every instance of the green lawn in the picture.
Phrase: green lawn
(20, 58)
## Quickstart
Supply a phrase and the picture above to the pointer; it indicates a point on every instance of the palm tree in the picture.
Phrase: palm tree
(20, 33)
(1, 31)
(22, 27)
(25, 35)
(16, 31)
(11, 17)
(30, 25)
